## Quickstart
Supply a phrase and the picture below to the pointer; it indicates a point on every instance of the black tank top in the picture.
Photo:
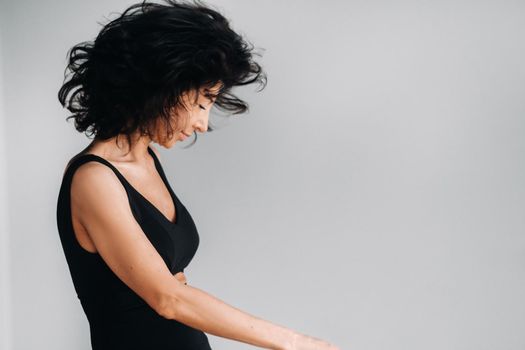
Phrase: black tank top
(118, 317)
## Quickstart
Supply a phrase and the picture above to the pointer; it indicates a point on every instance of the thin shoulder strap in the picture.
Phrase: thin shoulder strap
(80, 159)
(158, 165)
(152, 152)
(63, 213)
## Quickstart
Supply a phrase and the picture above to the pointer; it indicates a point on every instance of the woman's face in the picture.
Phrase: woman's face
(194, 116)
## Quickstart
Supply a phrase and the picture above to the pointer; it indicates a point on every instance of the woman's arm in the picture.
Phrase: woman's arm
(100, 202)
(200, 310)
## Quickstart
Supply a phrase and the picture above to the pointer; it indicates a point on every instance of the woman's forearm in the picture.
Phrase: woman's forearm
(198, 309)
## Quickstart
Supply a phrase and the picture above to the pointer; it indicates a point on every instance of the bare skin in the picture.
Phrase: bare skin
(99, 205)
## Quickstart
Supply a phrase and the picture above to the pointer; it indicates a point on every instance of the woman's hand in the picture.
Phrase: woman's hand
(181, 277)
(305, 342)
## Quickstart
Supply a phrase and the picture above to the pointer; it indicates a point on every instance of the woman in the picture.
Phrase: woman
(151, 75)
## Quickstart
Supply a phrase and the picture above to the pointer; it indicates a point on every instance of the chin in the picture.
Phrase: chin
(169, 143)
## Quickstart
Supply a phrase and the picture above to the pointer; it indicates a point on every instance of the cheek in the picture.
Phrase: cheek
(179, 123)
(161, 134)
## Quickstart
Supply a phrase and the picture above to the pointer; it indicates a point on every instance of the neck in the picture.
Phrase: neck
(122, 152)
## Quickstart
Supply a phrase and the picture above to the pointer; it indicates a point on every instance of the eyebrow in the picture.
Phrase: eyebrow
(208, 96)
(211, 97)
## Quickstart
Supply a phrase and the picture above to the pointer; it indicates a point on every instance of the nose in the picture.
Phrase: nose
(202, 124)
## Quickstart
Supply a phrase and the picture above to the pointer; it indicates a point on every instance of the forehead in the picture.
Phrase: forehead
(204, 93)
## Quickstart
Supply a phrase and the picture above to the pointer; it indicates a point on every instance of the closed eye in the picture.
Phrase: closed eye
(202, 107)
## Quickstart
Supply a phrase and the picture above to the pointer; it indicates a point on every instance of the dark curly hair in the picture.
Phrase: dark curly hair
(143, 61)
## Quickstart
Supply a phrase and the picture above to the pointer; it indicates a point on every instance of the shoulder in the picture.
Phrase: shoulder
(94, 187)
(93, 174)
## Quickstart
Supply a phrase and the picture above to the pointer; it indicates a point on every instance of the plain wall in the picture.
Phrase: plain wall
(373, 195)
(5, 285)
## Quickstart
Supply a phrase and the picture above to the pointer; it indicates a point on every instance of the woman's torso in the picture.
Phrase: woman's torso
(156, 192)
(117, 315)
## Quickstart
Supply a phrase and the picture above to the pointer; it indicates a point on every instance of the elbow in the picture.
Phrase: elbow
(167, 306)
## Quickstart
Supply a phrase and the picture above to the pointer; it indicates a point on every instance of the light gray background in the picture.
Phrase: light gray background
(373, 196)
